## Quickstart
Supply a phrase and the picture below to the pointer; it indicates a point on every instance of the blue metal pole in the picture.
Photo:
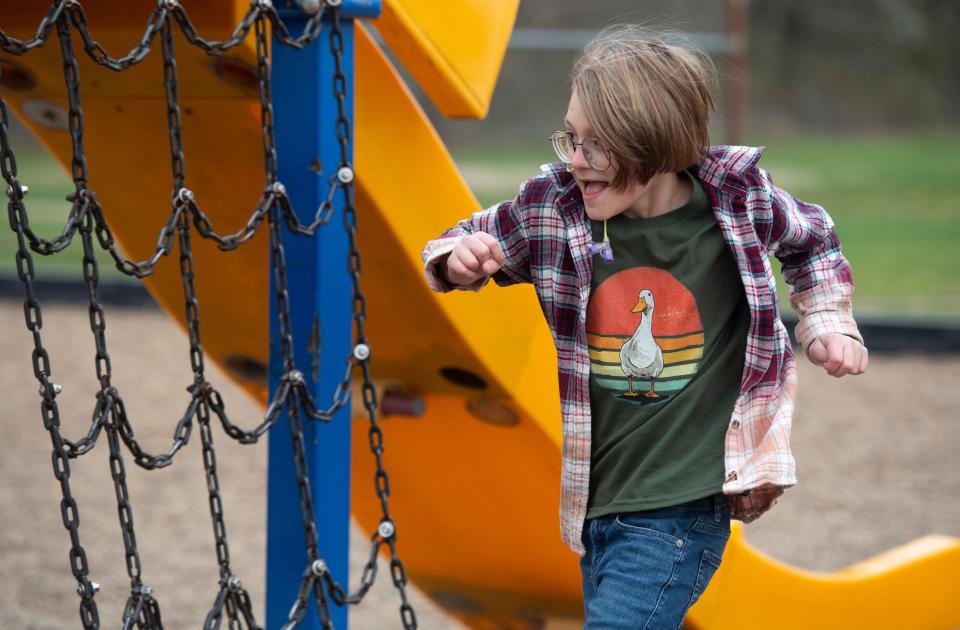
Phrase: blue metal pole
(305, 114)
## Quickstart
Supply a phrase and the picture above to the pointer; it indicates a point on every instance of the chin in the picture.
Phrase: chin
(600, 214)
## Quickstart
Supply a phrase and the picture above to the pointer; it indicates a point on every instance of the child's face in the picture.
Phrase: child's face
(600, 198)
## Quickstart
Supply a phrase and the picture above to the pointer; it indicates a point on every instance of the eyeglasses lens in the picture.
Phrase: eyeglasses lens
(594, 154)
(563, 146)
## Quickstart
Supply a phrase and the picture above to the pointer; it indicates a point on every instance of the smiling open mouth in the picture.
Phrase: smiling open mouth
(594, 188)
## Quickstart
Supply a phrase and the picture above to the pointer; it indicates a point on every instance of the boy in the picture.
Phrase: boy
(649, 254)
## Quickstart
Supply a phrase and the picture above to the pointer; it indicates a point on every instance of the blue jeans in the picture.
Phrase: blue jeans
(643, 570)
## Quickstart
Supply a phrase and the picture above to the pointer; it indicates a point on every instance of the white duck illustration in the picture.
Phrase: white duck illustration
(640, 356)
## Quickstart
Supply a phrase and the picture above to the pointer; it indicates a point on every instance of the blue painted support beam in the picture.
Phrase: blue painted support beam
(305, 114)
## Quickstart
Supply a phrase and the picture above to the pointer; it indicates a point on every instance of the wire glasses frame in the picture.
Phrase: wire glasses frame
(594, 152)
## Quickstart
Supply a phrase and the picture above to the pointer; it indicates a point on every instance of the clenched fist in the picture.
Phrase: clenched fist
(474, 257)
(838, 354)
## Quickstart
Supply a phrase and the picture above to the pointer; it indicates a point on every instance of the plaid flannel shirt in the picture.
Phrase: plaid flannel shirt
(544, 234)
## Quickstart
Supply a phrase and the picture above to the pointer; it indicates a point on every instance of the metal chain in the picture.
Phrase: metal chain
(70, 513)
(97, 52)
(109, 415)
(16, 47)
(387, 531)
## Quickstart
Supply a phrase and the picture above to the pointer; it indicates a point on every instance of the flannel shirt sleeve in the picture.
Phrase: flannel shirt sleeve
(803, 237)
(503, 221)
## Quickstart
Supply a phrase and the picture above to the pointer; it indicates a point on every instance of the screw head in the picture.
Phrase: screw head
(233, 583)
(94, 588)
(333, 3)
(318, 568)
(168, 4)
(386, 529)
(345, 174)
(295, 376)
(185, 195)
(279, 188)
(361, 351)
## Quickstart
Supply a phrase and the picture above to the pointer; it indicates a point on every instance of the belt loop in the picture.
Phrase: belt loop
(717, 506)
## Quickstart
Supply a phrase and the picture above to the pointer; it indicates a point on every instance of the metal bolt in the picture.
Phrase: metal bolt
(333, 3)
(94, 588)
(318, 568)
(24, 190)
(185, 195)
(233, 583)
(169, 5)
(54, 386)
(345, 174)
(386, 529)
(146, 591)
(263, 4)
(361, 351)
(295, 376)
(278, 188)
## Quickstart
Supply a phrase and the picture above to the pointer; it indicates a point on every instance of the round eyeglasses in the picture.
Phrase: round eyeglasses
(593, 151)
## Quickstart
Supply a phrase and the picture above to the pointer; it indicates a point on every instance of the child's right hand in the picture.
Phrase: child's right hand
(474, 257)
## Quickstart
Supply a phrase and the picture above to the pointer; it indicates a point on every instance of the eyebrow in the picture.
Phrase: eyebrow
(567, 124)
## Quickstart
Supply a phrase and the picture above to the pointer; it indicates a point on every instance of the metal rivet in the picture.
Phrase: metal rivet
(233, 583)
(318, 568)
(296, 376)
(345, 174)
(279, 188)
(94, 588)
(361, 351)
(185, 195)
(386, 529)
(23, 191)
(679, 543)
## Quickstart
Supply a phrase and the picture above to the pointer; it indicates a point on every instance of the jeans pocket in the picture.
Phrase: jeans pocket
(658, 529)
(712, 527)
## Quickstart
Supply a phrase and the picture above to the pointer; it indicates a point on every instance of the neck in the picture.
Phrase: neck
(664, 192)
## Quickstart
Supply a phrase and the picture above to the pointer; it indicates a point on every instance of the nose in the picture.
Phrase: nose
(579, 160)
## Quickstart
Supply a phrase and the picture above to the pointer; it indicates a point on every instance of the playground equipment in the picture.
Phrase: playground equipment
(474, 478)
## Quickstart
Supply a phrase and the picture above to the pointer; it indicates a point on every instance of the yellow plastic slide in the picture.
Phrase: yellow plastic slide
(475, 480)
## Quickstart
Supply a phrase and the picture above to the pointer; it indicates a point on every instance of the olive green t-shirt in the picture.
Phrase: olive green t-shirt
(667, 326)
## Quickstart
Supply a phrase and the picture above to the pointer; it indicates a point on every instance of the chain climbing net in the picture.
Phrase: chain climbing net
(109, 415)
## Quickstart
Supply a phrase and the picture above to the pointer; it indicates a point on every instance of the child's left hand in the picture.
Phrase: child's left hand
(838, 354)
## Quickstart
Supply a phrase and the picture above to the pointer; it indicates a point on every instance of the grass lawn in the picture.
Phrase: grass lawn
(895, 201)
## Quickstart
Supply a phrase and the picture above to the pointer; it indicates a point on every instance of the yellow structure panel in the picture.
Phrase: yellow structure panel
(452, 49)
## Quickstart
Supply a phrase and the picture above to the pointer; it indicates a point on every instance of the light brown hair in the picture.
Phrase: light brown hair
(647, 101)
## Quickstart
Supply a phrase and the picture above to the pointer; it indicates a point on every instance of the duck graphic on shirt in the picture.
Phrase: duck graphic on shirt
(641, 356)
(644, 334)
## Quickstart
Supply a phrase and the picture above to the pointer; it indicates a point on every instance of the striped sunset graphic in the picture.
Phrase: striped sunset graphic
(615, 327)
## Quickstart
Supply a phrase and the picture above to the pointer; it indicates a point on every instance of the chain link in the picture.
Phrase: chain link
(109, 416)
